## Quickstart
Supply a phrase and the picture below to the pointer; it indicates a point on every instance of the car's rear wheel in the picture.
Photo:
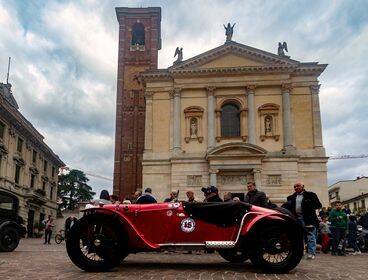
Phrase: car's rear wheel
(9, 239)
(233, 255)
(96, 243)
(278, 248)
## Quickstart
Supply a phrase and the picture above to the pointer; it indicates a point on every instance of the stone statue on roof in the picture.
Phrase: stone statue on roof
(281, 48)
(179, 53)
(229, 31)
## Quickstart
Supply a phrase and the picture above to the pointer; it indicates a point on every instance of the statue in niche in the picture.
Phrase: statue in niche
(268, 125)
(193, 128)
(229, 31)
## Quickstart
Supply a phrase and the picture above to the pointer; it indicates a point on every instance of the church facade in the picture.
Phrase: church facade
(231, 115)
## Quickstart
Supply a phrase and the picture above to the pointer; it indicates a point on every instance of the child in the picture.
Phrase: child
(324, 230)
(352, 235)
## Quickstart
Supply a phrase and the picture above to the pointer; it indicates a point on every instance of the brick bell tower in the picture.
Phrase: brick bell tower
(139, 42)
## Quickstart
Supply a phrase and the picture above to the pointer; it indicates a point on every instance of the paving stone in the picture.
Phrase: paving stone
(33, 260)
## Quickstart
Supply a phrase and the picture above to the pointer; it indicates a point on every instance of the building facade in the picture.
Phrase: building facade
(228, 116)
(28, 167)
(353, 193)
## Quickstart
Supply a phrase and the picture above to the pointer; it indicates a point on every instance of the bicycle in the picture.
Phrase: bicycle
(60, 236)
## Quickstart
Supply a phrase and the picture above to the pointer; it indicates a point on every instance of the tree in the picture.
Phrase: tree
(73, 188)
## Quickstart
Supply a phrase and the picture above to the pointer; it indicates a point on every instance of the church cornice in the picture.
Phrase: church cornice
(301, 69)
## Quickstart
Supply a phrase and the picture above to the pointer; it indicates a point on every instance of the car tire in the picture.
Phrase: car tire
(9, 239)
(233, 256)
(270, 241)
(82, 240)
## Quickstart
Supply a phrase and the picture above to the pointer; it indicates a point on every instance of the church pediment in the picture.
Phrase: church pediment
(236, 150)
(231, 55)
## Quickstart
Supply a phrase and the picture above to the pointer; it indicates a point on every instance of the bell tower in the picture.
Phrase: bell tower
(139, 42)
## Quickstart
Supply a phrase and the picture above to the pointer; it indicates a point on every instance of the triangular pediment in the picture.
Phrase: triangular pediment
(231, 55)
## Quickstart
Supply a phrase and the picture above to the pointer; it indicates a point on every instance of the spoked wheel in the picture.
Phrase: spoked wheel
(95, 243)
(233, 256)
(279, 249)
(9, 239)
(58, 238)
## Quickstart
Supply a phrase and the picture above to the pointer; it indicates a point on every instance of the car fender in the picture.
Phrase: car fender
(133, 234)
(13, 225)
(257, 218)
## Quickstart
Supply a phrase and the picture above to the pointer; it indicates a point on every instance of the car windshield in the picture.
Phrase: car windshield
(6, 202)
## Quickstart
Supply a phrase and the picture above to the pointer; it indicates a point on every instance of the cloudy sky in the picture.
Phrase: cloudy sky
(64, 61)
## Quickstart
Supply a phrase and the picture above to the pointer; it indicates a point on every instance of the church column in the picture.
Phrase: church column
(148, 124)
(213, 177)
(211, 116)
(317, 125)
(243, 125)
(257, 178)
(286, 116)
(250, 90)
(177, 120)
(218, 125)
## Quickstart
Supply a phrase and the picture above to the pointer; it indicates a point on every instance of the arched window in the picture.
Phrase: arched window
(230, 120)
(138, 34)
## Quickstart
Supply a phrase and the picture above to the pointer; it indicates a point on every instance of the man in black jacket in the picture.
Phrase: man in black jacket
(255, 196)
(303, 205)
(146, 198)
(211, 194)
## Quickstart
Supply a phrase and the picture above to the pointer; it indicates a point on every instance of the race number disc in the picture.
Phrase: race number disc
(187, 225)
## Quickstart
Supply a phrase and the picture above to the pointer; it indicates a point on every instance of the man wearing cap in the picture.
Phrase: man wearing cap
(255, 196)
(303, 205)
(211, 194)
(146, 198)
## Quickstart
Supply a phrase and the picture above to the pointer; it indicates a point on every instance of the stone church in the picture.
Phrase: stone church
(225, 117)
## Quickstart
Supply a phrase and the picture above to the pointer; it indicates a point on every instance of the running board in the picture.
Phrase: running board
(220, 244)
(207, 244)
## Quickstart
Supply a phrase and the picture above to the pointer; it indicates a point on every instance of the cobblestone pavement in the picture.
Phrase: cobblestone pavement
(33, 260)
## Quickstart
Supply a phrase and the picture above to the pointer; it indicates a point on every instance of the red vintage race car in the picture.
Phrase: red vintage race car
(272, 240)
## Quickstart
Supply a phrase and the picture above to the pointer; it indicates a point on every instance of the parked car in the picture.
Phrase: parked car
(100, 240)
(11, 225)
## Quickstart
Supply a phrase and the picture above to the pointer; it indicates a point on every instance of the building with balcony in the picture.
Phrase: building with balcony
(28, 167)
(353, 193)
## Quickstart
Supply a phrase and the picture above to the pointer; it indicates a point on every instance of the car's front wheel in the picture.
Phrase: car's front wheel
(9, 239)
(278, 248)
(96, 243)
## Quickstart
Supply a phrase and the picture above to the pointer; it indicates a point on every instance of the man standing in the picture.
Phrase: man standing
(255, 196)
(146, 198)
(303, 205)
(49, 224)
(339, 225)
